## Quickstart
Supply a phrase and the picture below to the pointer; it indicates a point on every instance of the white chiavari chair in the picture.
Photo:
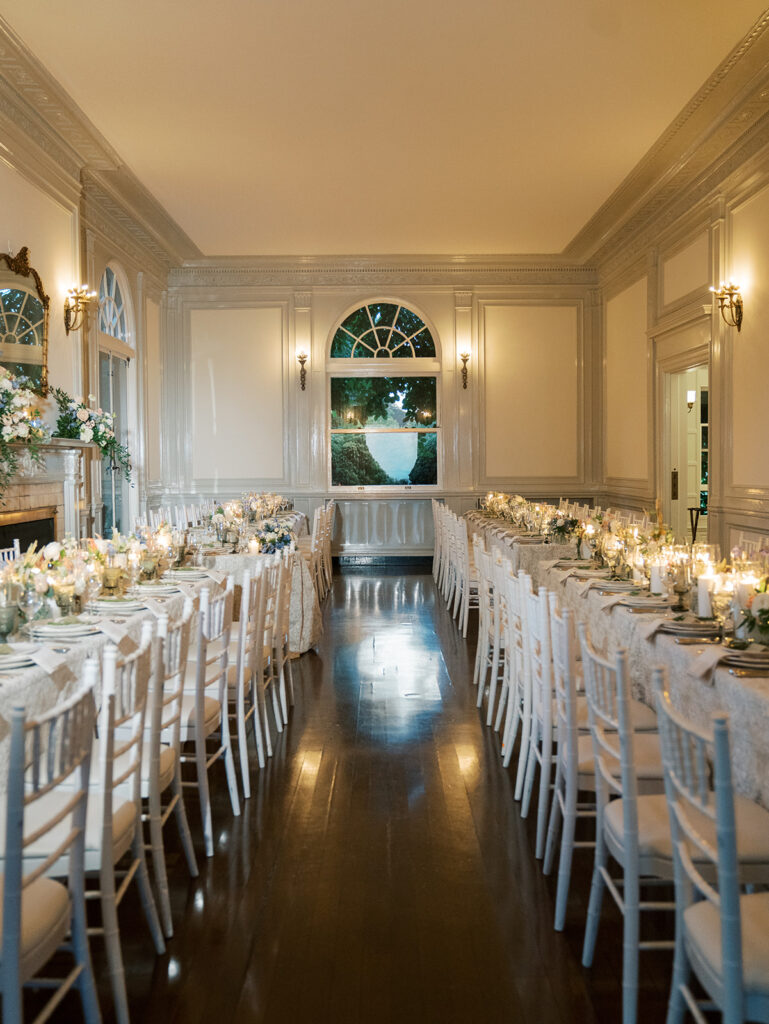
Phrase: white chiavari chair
(518, 712)
(541, 729)
(46, 807)
(161, 771)
(719, 842)
(11, 553)
(242, 687)
(628, 770)
(205, 704)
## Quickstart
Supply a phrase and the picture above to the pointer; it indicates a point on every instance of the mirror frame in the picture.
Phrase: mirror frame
(19, 264)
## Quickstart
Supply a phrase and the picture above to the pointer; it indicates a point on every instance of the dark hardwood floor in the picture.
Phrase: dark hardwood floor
(381, 871)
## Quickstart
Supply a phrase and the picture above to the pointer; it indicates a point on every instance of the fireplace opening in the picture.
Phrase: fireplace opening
(30, 524)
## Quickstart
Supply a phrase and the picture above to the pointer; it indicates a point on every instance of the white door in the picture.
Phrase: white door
(687, 484)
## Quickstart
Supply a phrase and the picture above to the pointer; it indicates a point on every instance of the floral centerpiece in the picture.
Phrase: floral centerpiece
(261, 506)
(20, 421)
(273, 536)
(755, 615)
(84, 423)
(561, 527)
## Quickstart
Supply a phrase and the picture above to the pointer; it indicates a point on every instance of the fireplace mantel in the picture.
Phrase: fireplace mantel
(58, 480)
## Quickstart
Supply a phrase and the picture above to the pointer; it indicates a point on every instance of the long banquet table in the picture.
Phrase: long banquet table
(58, 665)
(524, 549)
(304, 617)
(693, 693)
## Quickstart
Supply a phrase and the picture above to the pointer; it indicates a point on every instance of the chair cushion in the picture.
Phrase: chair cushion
(751, 820)
(647, 757)
(703, 937)
(211, 713)
(45, 913)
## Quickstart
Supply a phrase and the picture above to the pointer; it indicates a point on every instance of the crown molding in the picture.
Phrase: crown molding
(731, 102)
(38, 106)
(344, 271)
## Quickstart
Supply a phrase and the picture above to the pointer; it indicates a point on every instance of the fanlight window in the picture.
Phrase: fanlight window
(112, 313)
(22, 325)
(383, 330)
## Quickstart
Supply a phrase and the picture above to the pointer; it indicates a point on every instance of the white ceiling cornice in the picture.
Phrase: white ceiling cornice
(730, 103)
(454, 271)
(33, 101)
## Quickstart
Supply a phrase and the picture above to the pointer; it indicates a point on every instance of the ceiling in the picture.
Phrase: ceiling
(296, 127)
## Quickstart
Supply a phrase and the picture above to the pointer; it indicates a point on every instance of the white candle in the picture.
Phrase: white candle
(655, 581)
(704, 607)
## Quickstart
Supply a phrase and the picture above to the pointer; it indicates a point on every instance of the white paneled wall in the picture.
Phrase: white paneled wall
(236, 395)
(626, 385)
(531, 388)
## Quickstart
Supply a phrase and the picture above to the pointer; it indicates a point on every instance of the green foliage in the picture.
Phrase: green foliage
(352, 464)
(358, 401)
(425, 469)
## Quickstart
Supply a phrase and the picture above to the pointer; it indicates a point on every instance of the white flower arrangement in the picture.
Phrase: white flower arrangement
(20, 421)
(84, 423)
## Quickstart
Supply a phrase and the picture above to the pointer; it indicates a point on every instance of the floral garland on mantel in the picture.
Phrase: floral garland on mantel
(83, 423)
(20, 422)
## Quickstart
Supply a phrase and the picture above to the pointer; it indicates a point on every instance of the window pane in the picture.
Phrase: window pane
(383, 402)
(424, 346)
(408, 322)
(382, 313)
(357, 322)
(371, 459)
(341, 346)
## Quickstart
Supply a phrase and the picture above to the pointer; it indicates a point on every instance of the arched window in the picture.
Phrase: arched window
(382, 329)
(383, 389)
(112, 313)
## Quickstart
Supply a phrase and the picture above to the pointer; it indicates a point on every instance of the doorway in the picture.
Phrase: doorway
(688, 453)
(113, 396)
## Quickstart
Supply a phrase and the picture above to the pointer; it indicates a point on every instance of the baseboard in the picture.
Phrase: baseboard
(409, 563)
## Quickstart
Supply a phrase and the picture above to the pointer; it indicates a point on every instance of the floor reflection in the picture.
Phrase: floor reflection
(387, 655)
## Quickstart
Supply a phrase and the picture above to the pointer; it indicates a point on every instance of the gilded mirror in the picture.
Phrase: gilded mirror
(23, 319)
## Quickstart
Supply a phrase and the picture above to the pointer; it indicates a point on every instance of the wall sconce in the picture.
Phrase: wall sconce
(76, 307)
(691, 398)
(730, 303)
(301, 358)
(464, 357)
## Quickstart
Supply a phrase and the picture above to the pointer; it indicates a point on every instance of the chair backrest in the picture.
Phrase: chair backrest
(687, 753)
(564, 685)
(608, 699)
(251, 623)
(538, 638)
(167, 686)
(10, 554)
(213, 639)
(121, 724)
(48, 755)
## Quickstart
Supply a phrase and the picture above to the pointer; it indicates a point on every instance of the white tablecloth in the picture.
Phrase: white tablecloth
(746, 699)
(527, 551)
(42, 686)
(304, 623)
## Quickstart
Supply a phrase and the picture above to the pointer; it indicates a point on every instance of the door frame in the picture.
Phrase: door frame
(666, 368)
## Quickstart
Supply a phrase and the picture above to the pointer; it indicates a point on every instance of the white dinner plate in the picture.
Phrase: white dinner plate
(17, 655)
(152, 587)
(186, 574)
(120, 604)
(63, 630)
(645, 601)
(618, 586)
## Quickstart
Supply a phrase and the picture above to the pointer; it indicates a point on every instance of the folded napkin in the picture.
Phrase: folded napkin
(651, 626)
(55, 664)
(707, 661)
(118, 634)
(156, 605)
(609, 601)
(545, 566)
(217, 575)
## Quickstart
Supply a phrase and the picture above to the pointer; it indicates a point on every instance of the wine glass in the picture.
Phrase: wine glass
(721, 602)
(30, 602)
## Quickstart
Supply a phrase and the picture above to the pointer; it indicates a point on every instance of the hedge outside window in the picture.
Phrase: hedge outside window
(383, 431)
